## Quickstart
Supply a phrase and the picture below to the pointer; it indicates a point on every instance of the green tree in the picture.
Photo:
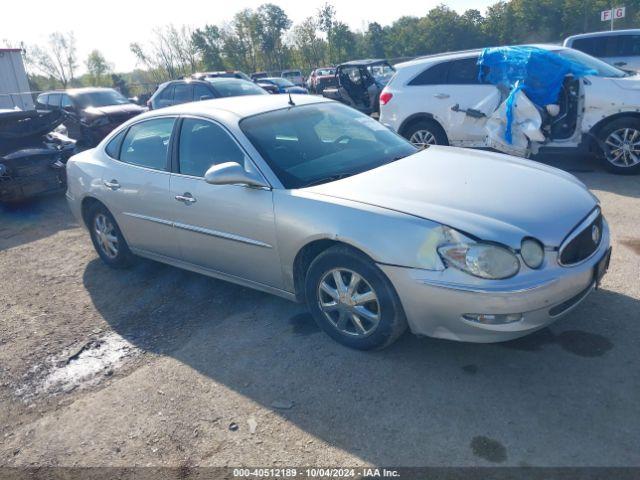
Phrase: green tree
(208, 43)
(97, 67)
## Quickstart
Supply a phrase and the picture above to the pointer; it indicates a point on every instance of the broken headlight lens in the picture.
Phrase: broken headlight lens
(481, 259)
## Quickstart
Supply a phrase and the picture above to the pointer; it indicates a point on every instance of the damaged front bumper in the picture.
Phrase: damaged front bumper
(441, 304)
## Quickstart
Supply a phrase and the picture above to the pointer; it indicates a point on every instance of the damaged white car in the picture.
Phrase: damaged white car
(558, 99)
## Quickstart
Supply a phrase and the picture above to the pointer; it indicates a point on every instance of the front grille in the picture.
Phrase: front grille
(582, 244)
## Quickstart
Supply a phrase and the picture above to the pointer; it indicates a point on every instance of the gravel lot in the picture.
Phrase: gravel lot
(157, 366)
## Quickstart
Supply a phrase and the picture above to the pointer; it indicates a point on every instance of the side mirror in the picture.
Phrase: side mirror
(206, 97)
(232, 173)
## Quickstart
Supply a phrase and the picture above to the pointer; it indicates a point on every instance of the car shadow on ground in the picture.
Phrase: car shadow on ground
(565, 395)
(31, 220)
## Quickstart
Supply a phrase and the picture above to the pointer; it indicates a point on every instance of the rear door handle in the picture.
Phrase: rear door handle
(186, 198)
(441, 95)
(113, 184)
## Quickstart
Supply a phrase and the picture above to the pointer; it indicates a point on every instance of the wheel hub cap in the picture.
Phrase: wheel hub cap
(623, 147)
(106, 236)
(349, 302)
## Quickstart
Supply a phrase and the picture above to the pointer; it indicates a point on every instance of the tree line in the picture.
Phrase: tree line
(265, 39)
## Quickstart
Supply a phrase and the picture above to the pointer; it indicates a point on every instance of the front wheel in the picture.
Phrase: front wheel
(352, 300)
(620, 142)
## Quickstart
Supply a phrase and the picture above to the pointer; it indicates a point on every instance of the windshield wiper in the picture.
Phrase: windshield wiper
(331, 178)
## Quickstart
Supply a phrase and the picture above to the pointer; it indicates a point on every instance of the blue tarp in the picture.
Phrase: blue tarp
(537, 72)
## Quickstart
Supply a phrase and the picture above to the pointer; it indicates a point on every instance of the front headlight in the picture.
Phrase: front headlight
(532, 252)
(481, 259)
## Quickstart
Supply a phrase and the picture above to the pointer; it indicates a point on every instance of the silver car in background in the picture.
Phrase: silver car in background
(310, 200)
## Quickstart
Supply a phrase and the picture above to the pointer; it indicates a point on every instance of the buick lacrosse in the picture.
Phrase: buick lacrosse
(311, 200)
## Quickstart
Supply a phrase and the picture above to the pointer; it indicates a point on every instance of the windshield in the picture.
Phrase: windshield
(291, 74)
(100, 98)
(381, 72)
(319, 143)
(326, 71)
(603, 68)
(235, 87)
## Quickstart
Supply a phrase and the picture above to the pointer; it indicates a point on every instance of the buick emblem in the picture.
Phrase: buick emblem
(595, 234)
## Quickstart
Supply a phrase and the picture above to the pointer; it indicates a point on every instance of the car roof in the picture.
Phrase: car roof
(604, 33)
(462, 54)
(366, 61)
(76, 91)
(241, 107)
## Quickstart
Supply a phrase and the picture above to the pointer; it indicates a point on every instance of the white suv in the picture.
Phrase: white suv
(439, 100)
(620, 48)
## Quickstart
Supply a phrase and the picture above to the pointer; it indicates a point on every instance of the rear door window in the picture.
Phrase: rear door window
(183, 93)
(628, 46)
(146, 144)
(433, 75)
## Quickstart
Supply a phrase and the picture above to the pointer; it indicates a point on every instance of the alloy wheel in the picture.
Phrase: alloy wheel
(422, 138)
(106, 235)
(349, 302)
(623, 147)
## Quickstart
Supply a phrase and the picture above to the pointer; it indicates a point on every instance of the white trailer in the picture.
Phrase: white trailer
(14, 86)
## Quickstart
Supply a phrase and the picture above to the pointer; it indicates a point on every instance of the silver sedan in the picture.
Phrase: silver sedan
(310, 200)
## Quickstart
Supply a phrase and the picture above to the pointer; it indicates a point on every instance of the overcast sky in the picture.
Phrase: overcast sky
(112, 25)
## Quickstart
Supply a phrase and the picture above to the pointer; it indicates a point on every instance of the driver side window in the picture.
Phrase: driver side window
(203, 144)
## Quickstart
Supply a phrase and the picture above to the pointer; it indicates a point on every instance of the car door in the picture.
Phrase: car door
(137, 186)
(225, 228)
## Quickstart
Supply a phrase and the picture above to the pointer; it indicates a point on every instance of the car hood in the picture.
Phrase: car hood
(130, 108)
(490, 196)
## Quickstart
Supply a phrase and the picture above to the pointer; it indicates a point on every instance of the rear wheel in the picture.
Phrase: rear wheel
(620, 142)
(424, 133)
(352, 300)
(107, 238)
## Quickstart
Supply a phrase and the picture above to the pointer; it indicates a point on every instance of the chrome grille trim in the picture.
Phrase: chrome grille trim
(577, 231)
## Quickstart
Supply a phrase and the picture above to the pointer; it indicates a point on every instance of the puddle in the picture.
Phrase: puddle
(85, 366)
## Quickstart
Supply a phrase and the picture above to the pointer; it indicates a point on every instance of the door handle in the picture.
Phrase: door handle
(113, 184)
(441, 95)
(186, 198)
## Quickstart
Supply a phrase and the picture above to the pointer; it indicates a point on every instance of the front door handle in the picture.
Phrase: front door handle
(441, 95)
(186, 198)
(113, 184)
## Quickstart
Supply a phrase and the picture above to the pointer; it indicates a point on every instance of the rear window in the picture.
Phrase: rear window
(236, 88)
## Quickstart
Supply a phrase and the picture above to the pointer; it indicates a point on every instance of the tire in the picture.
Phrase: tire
(99, 218)
(379, 322)
(624, 160)
(432, 133)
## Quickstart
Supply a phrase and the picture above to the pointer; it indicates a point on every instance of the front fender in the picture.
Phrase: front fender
(387, 236)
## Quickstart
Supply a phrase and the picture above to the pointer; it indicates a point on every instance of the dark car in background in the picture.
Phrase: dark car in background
(282, 85)
(222, 74)
(359, 84)
(32, 154)
(321, 78)
(183, 91)
(91, 113)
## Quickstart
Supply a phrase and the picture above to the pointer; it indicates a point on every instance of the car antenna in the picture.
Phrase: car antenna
(291, 100)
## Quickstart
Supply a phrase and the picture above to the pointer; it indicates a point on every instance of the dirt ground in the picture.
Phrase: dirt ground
(155, 366)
